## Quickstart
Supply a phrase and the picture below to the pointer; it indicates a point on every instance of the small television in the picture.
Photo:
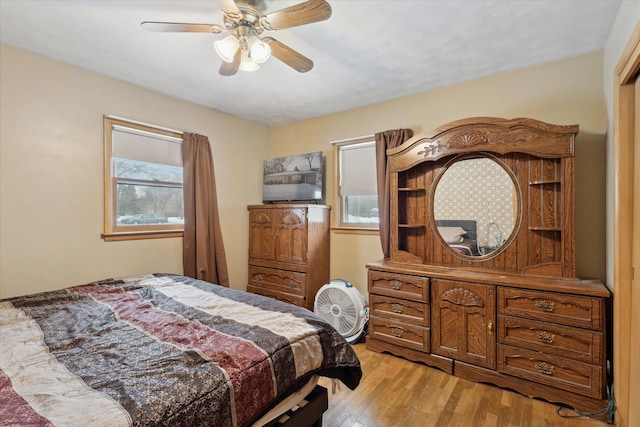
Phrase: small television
(293, 178)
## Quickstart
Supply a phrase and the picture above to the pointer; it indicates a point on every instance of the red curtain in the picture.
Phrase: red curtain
(385, 140)
(203, 250)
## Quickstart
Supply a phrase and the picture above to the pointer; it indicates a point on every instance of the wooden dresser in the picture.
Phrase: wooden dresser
(288, 251)
(498, 303)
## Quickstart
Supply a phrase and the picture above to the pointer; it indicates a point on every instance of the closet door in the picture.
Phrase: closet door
(463, 322)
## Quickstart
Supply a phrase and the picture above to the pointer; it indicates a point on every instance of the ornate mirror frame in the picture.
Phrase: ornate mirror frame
(480, 229)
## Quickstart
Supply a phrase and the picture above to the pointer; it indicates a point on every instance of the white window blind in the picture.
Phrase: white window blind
(358, 170)
(134, 144)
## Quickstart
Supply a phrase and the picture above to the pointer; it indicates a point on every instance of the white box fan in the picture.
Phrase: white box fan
(341, 305)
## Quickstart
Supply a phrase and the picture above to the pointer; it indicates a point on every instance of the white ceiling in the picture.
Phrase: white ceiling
(368, 51)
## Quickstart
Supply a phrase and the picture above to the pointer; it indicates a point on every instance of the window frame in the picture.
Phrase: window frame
(342, 226)
(113, 231)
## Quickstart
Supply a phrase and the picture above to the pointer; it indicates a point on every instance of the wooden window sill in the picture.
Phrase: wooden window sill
(355, 230)
(139, 235)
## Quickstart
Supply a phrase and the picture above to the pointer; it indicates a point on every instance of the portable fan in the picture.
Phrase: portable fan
(341, 305)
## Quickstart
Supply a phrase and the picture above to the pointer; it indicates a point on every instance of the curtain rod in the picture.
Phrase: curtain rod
(179, 132)
(357, 138)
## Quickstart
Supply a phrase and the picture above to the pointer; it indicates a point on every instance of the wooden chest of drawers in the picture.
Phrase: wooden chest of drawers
(563, 347)
(492, 329)
(400, 312)
(288, 251)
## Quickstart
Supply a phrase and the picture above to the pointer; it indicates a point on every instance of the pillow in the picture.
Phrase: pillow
(452, 234)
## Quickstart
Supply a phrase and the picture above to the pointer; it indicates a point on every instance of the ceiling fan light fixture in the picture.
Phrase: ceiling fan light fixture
(227, 47)
(259, 51)
(248, 64)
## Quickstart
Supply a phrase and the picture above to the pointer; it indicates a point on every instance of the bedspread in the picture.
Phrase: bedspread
(157, 350)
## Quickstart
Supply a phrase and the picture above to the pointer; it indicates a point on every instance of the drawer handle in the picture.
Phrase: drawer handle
(396, 284)
(292, 284)
(397, 332)
(397, 308)
(545, 368)
(545, 305)
(546, 337)
(258, 277)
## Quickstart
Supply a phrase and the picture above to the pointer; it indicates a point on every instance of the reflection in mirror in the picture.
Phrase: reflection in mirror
(475, 206)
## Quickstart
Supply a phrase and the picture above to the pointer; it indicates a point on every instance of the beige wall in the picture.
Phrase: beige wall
(51, 174)
(51, 163)
(564, 92)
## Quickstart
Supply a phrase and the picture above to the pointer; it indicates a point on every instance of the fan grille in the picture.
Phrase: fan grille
(337, 308)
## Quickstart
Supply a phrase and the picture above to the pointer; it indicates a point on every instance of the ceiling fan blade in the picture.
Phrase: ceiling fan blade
(182, 27)
(289, 56)
(299, 14)
(230, 9)
(231, 68)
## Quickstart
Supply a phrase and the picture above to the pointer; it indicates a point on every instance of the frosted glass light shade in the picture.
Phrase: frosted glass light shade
(227, 47)
(259, 51)
(248, 64)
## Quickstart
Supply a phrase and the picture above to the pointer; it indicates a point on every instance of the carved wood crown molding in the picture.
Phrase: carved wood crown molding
(497, 136)
(466, 139)
(461, 296)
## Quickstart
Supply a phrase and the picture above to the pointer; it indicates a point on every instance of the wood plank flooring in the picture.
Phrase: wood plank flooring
(399, 393)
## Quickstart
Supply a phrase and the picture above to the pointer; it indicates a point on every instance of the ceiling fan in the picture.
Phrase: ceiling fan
(244, 48)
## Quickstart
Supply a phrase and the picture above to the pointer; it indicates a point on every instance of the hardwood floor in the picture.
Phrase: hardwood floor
(396, 392)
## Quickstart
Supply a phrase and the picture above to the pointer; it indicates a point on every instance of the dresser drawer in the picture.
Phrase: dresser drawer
(289, 282)
(399, 333)
(574, 343)
(565, 309)
(413, 312)
(399, 285)
(281, 296)
(555, 371)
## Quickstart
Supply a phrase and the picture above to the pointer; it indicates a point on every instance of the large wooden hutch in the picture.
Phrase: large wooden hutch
(509, 312)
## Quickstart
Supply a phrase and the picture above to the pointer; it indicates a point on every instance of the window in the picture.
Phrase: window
(142, 181)
(357, 193)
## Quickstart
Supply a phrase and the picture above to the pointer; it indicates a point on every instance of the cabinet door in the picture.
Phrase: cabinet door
(261, 234)
(462, 324)
(291, 236)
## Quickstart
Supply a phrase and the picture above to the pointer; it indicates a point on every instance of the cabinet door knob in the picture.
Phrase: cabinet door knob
(545, 368)
(546, 337)
(545, 305)
(396, 284)
(490, 327)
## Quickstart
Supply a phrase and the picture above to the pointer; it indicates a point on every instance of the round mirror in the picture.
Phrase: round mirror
(476, 205)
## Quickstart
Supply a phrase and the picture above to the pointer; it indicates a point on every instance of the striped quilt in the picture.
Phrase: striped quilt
(157, 350)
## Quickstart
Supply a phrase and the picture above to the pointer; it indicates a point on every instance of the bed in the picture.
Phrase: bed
(468, 244)
(159, 349)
